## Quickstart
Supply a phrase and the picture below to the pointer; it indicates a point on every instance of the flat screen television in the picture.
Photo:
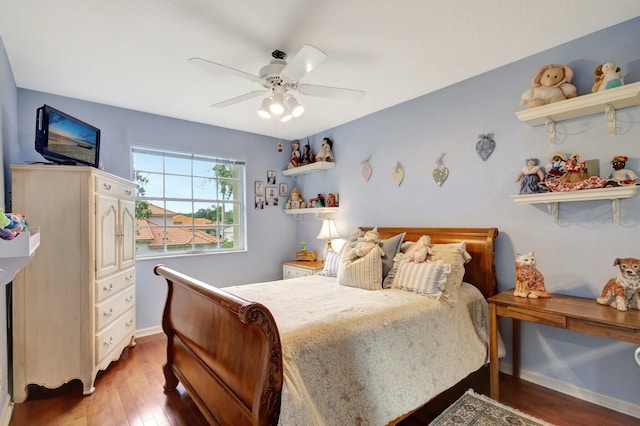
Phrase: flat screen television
(63, 139)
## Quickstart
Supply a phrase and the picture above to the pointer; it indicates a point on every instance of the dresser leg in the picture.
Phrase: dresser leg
(515, 340)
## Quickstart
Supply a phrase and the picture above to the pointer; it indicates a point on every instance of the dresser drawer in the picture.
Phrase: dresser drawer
(109, 286)
(293, 272)
(109, 310)
(114, 188)
(120, 329)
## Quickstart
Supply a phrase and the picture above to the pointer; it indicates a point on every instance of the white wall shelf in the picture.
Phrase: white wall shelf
(309, 168)
(607, 102)
(319, 212)
(15, 254)
(552, 199)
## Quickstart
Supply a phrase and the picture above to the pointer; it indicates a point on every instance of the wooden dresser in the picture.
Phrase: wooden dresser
(74, 303)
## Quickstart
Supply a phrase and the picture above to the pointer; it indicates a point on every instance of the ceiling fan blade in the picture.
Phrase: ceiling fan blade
(331, 92)
(303, 62)
(219, 67)
(239, 99)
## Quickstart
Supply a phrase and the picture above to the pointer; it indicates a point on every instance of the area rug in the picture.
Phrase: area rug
(480, 410)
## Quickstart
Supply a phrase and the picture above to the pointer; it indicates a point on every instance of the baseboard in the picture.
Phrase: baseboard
(149, 331)
(6, 412)
(618, 405)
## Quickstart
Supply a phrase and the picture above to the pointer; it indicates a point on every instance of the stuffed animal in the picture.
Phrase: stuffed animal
(552, 83)
(622, 292)
(419, 251)
(606, 77)
(11, 224)
(529, 280)
(371, 241)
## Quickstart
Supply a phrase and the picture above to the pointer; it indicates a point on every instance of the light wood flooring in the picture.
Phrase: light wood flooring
(130, 393)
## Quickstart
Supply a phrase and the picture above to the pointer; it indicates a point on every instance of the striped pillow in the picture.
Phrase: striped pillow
(365, 272)
(331, 263)
(428, 278)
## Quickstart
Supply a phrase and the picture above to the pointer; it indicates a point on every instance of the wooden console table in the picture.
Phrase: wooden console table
(572, 313)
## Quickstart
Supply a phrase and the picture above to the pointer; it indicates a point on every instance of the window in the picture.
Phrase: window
(187, 203)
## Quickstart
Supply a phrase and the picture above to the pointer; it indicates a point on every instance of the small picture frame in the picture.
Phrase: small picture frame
(271, 177)
(259, 202)
(259, 188)
(272, 196)
(284, 190)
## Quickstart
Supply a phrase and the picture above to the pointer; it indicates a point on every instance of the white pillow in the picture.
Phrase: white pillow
(427, 278)
(365, 272)
(331, 264)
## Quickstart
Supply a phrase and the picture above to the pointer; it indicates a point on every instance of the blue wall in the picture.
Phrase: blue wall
(575, 257)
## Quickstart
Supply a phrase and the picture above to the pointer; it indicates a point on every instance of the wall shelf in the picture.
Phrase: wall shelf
(15, 254)
(552, 199)
(319, 212)
(607, 102)
(309, 168)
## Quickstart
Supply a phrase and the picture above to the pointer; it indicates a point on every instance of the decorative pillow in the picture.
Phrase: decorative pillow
(365, 272)
(390, 246)
(457, 258)
(407, 244)
(427, 278)
(387, 282)
(331, 263)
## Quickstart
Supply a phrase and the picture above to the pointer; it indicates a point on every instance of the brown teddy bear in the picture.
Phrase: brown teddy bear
(552, 83)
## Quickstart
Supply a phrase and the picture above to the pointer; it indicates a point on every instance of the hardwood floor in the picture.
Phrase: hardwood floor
(130, 393)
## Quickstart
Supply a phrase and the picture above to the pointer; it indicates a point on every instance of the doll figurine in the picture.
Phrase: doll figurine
(325, 153)
(295, 155)
(620, 175)
(530, 176)
(555, 168)
(307, 155)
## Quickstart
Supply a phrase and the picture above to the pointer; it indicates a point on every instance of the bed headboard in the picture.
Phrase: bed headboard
(480, 242)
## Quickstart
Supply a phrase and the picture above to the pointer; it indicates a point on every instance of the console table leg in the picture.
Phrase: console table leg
(515, 340)
(494, 366)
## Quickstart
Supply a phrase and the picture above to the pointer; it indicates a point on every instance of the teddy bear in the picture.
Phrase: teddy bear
(419, 251)
(552, 83)
(371, 241)
(606, 77)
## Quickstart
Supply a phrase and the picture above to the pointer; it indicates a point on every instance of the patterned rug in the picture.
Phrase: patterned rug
(480, 410)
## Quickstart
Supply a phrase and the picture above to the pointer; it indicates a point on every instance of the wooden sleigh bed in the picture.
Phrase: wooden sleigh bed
(226, 350)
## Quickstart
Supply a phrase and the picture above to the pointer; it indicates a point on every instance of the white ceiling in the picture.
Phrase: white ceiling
(133, 53)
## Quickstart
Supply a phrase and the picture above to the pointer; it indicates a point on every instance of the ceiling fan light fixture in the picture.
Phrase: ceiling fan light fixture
(277, 105)
(294, 106)
(263, 111)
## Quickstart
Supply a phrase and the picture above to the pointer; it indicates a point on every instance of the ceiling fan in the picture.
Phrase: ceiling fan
(279, 78)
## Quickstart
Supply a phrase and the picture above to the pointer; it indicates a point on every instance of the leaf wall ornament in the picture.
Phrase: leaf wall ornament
(485, 146)
(366, 169)
(441, 172)
(398, 173)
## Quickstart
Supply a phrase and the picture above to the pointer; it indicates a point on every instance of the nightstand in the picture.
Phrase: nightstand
(300, 268)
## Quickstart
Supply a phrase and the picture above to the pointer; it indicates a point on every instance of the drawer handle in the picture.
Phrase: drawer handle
(108, 289)
(129, 299)
(128, 191)
(129, 323)
(108, 314)
(107, 344)
(107, 186)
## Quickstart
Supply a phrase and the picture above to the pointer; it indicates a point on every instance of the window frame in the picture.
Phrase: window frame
(213, 233)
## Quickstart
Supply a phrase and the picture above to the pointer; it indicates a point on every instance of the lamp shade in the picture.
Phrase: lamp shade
(264, 108)
(294, 106)
(277, 105)
(328, 230)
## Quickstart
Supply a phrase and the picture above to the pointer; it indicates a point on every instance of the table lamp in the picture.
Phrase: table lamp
(328, 231)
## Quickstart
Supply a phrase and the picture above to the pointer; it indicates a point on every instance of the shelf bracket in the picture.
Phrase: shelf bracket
(610, 113)
(550, 125)
(553, 211)
(615, 207)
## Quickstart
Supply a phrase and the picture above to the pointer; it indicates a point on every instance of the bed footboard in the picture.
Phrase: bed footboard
(235, 383)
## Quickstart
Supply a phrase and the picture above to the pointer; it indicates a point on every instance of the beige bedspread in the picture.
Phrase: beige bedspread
(358, 357)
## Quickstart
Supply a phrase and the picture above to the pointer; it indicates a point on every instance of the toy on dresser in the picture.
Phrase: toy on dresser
(529, 281)
(623, 291)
